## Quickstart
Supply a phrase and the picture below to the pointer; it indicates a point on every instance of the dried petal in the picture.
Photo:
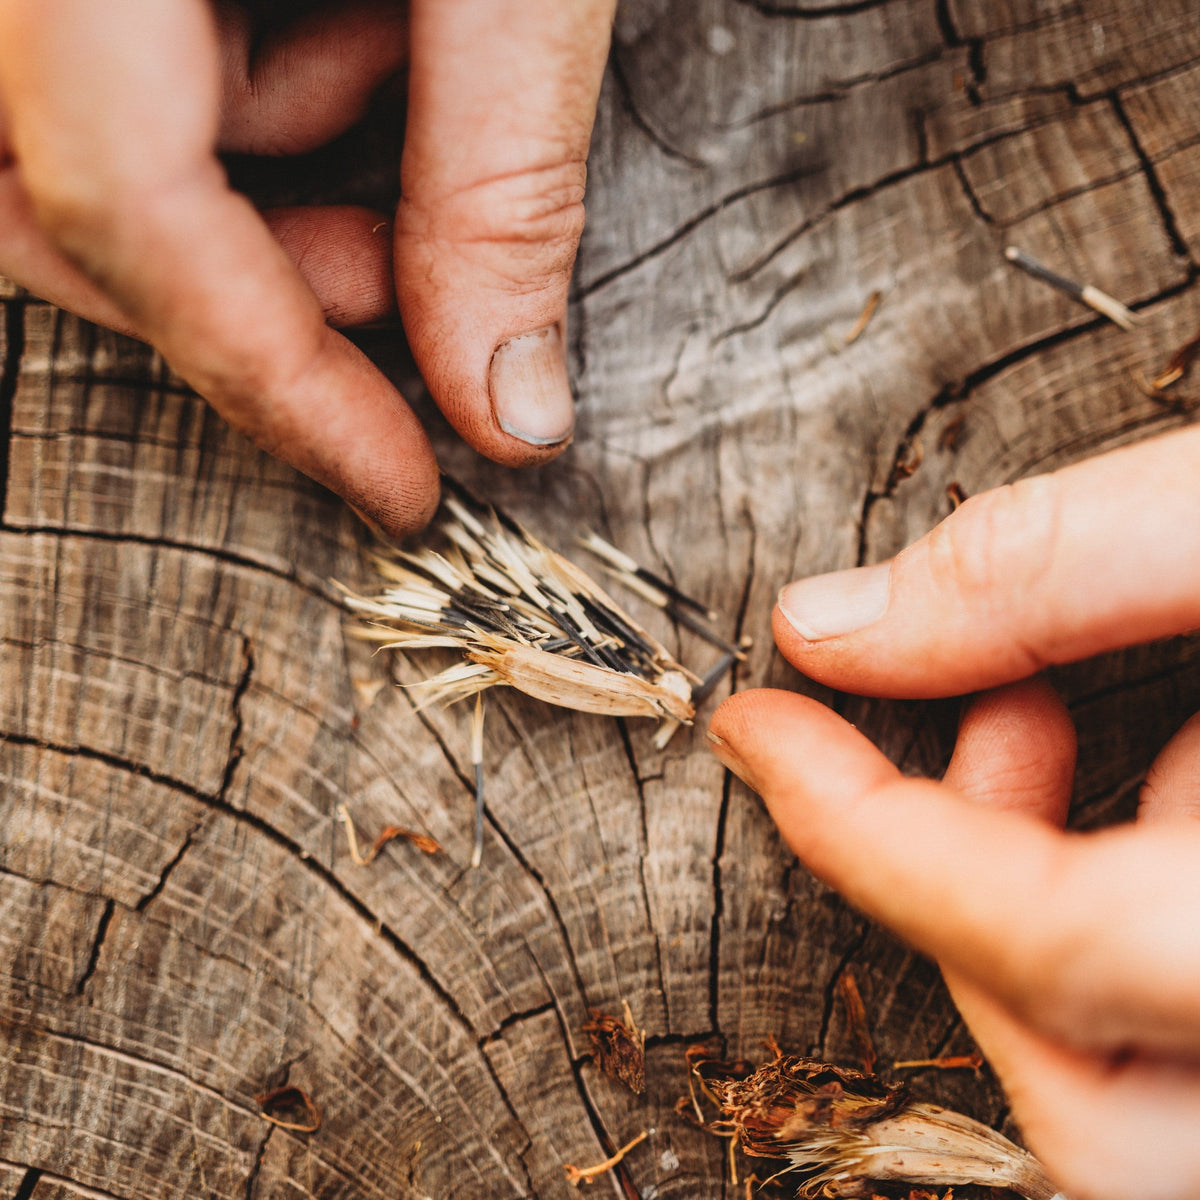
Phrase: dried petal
(619, 1048)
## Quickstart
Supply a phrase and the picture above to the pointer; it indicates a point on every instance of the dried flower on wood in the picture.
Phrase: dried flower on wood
(619, 1048)
(837, 1130)
(524, 616)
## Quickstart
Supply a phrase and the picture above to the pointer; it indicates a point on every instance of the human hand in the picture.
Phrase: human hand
(113, 205)
(1074, 958)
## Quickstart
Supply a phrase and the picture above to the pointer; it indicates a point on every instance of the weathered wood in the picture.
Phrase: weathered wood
(181, 714)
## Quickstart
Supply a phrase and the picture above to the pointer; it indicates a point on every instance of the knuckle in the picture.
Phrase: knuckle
(523, 227)
(996, 552)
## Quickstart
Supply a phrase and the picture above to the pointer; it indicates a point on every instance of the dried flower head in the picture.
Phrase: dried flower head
(837, 1130)
(525, 616)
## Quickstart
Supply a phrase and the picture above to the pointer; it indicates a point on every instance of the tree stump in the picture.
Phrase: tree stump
(181, 712)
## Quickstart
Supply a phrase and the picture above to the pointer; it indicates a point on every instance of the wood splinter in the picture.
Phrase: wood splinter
(1085, 293)
(577, 1175)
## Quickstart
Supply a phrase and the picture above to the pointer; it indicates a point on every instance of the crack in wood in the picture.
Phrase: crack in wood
(468, 784)
(10, 372)
(831, 988)
(583, 291)
(28, 1183)
(625, 92)
(236, 749)
(954, 393)
(280, 839)
(97, 942)
(797, 12)
(643, 850)
(170, 866)
(321, 589)
(1154, 183)
(256, 1166)
(840, 90)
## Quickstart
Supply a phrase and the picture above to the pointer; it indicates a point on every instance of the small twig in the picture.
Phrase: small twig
(856, 1015)
(948, 1062)
(577, 1175)
(864, 318)
(422, 841)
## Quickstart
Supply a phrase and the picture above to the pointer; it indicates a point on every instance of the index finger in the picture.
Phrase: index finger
(1103, 554)
(1089, 939)
(113, 119)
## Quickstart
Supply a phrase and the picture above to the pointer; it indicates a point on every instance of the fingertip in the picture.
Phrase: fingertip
(797, 753)
(344, 253)
(403, 504)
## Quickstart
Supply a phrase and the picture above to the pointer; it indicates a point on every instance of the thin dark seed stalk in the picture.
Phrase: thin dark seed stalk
(713, 677)
(700, 629)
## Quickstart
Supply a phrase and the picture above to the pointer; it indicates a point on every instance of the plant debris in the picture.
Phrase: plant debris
(955, 494)
(1085, 293)
(422, 841)
(1178, 367)
(619, 1048)
(577, 1175)
(948, 1062)
(856, 1016)
(289, 1107)
(524, 616)
(907, 462)
(864, 319)
(836, 1130)
(948, 438)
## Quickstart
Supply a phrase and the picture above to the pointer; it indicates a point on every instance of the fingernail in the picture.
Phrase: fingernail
(826, 606)
(724, 752)
(531, 395)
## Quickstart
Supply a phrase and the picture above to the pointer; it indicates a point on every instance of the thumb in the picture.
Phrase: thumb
(502, 96)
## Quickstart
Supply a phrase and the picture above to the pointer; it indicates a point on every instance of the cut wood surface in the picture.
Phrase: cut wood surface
(182, 713)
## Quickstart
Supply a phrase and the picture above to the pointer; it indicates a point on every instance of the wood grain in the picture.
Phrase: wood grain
(181, 714)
